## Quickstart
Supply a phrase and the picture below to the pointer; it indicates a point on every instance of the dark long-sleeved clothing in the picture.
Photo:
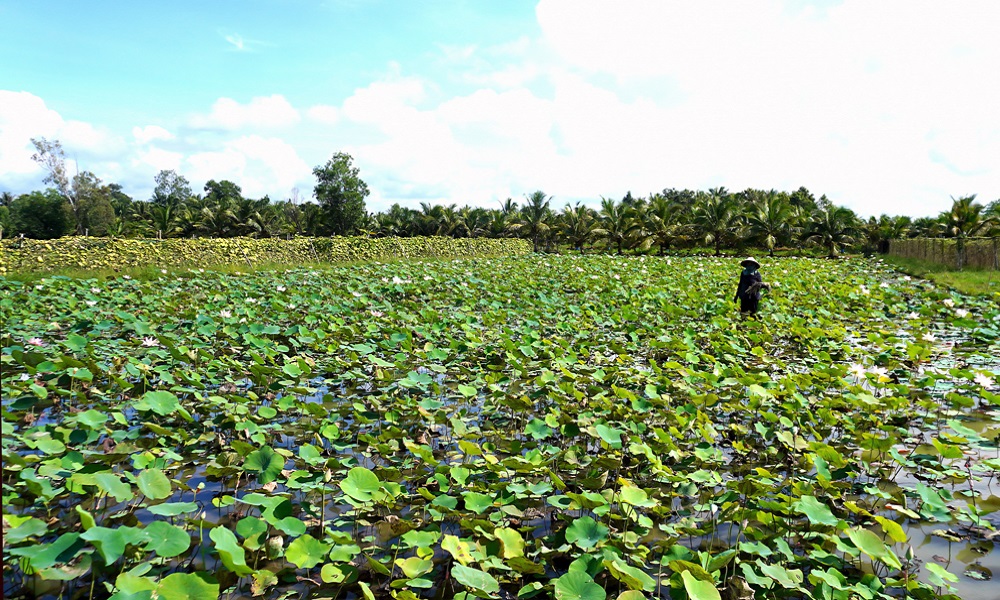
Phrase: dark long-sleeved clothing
(748, 291)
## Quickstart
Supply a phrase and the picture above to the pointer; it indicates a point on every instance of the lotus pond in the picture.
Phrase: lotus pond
(572, 427)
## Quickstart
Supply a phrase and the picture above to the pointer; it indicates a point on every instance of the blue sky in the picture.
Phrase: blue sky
(886, 107)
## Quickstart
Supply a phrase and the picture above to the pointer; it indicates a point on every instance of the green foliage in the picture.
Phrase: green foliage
(540, 426)
(341, 193)
(41, 216)
(18, 256)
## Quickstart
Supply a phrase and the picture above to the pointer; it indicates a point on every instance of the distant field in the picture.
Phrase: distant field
(968, 281)
(552, 426)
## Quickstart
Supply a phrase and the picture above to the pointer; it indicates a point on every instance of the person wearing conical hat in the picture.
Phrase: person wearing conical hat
(748, 291)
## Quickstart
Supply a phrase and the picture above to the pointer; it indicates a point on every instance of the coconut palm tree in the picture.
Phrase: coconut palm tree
(616, 223)
(965, 219)
(577, 224)
(498, 224)
(535, 217)
(663, 223)
(508, 207)
(715, 218)
(833, 227)
(163, 218)
(769, 219)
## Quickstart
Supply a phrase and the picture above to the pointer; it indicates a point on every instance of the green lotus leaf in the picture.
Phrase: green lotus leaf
(161, 403)
(266, 463)
(306, 552)
(360, 484)
(586, 533)
(475, 579)
(187, 586)
(230, 552)
(252, 530)
(167, 540)
(699, 590)
(578, 585)
(817, 512)
(513, 543)
(153, 484)
(173, 509)
(111, 543)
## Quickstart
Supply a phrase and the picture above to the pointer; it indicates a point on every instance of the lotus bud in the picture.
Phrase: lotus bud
(275, 547)
(327, 475)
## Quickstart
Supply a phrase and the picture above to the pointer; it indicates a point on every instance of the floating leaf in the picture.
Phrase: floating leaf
(266, 463)
(187, 586)
(577, 585)
(167, 540)
(306, 552)
(586, 533)
(153, 484)
(475, 579)
(360, 484)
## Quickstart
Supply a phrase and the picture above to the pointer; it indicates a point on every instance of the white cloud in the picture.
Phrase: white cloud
(262, 112)
(883, 106)
(236, 41)
(23, 116)
(257, 164)
(158, 159)
(324, 113)
(150, 133)
(260, 165)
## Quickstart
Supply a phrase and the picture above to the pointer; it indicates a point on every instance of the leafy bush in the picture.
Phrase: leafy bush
(19, 256)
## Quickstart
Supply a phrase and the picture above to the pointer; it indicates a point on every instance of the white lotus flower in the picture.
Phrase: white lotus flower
(281, 288)
(356, 294)
(150, 341)
(126, 277)
(881, 373)
(164, 271)
(863, 290)
(225, 314)
(94, 290)
(913, 315)
(376, 313)
(858, 370)
(90, 302)
(36, 342)
(906, 278)
(396, 280)
(928, 337)
(948, 302)
(984, 380)
(961, 313)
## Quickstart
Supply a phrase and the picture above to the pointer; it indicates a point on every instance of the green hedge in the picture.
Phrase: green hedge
(90, 253)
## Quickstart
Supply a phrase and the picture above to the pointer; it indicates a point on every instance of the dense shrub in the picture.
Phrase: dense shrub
(115, 254)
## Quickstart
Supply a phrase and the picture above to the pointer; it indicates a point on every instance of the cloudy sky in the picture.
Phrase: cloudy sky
(886, 106)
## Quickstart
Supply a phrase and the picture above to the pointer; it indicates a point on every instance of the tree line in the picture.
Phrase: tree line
(661, 221)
